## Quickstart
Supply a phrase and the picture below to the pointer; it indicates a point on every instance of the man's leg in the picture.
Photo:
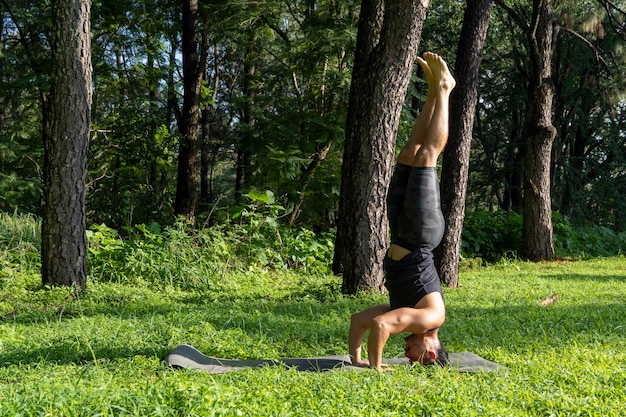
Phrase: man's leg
(418, 133)
(434, 137)
(428, 138)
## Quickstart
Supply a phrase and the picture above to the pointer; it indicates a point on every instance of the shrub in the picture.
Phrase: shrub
(491, 235)
(585, 240)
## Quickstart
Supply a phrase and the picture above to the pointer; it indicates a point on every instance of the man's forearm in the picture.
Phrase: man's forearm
(360, 323)
(375, 343)
(355, 339)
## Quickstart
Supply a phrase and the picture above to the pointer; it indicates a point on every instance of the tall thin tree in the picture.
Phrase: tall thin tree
(539, 136)
(539, 133)
(64, 243)
(189, 125)
(455, 166)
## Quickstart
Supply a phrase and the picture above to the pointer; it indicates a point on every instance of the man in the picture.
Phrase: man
(416, 227)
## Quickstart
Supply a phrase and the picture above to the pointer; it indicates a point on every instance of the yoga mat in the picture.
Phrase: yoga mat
(188, 357)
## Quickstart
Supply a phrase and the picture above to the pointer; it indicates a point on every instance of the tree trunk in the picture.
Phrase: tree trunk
(64, 243)
(463, 102)
(512, 199)
(186, 192)
(387, 41)
(539, 136)
(204, 160)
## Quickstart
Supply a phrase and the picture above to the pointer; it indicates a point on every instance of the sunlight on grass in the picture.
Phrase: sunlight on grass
(102, 353)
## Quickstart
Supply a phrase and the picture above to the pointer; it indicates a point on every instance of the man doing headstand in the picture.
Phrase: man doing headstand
(416, 224)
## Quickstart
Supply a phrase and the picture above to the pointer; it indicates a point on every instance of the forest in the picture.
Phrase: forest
(211, 174)
(273, 83)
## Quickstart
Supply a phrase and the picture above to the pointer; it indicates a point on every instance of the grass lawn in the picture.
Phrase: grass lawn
(102, 354)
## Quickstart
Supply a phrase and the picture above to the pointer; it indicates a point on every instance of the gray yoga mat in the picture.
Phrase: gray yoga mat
(188, 357)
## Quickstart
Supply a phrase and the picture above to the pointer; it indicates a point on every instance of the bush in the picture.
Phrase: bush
(494, 235)
(585, 240)
(491, 235)
(185, 257)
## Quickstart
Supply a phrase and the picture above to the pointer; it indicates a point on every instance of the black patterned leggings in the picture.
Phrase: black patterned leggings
(414, 208)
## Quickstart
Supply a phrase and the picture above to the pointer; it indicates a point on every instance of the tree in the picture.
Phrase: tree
(193, 72)
(455, 167)
(539, 133)
(588, 154)
(539, 136)
(387, 41)
(64, 243)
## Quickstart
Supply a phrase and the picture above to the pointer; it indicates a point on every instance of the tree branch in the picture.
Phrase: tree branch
(591, 46)
(513, 14)
(276, 29)
(619, 26)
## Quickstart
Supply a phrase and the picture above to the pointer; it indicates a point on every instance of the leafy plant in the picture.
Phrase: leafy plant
(494, 235)
(586, 240)
(491, 235)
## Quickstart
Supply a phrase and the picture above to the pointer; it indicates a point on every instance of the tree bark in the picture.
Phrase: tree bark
(186, 184)
(539, 136)
(64, 243)
(455, 167)
(387, 42)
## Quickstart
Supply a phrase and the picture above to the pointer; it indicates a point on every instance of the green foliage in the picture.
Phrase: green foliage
(170, 258)
(586, 241)
(294, 104)
(20, 239)
(180, 255)
(496, 235)
(20, 182)
(260, 240)
(102, 352)
(24, 65)
(491, 236)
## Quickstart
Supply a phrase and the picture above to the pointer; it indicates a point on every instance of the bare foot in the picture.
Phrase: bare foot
(440, 76)
(427, 72)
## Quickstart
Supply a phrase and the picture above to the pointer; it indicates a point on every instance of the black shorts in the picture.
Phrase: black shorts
(411, 278)
(414, 208)
(416, 223)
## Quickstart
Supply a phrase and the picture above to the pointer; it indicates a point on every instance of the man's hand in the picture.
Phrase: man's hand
(366, 364)
(382, 368)
(362, 363)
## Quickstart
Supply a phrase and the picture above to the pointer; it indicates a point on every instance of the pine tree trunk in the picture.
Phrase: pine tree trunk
(64, 243)
(186, 185)
(387, 41)
(455, 167)
(539, 136)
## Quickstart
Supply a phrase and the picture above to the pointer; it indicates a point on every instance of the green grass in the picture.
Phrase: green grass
(102, 354)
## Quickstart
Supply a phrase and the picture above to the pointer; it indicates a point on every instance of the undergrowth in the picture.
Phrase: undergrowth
(101, 354)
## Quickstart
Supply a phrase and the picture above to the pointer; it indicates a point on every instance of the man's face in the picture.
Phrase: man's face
(416, 349)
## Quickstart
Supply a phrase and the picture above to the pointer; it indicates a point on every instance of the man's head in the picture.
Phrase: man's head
(426, 350)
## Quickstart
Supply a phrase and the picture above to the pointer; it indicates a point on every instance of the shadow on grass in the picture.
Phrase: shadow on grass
(587, 278)
(312, 316)
(522, 328)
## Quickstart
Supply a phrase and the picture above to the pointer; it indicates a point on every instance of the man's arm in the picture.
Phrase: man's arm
(359, 324)
(397, 321)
